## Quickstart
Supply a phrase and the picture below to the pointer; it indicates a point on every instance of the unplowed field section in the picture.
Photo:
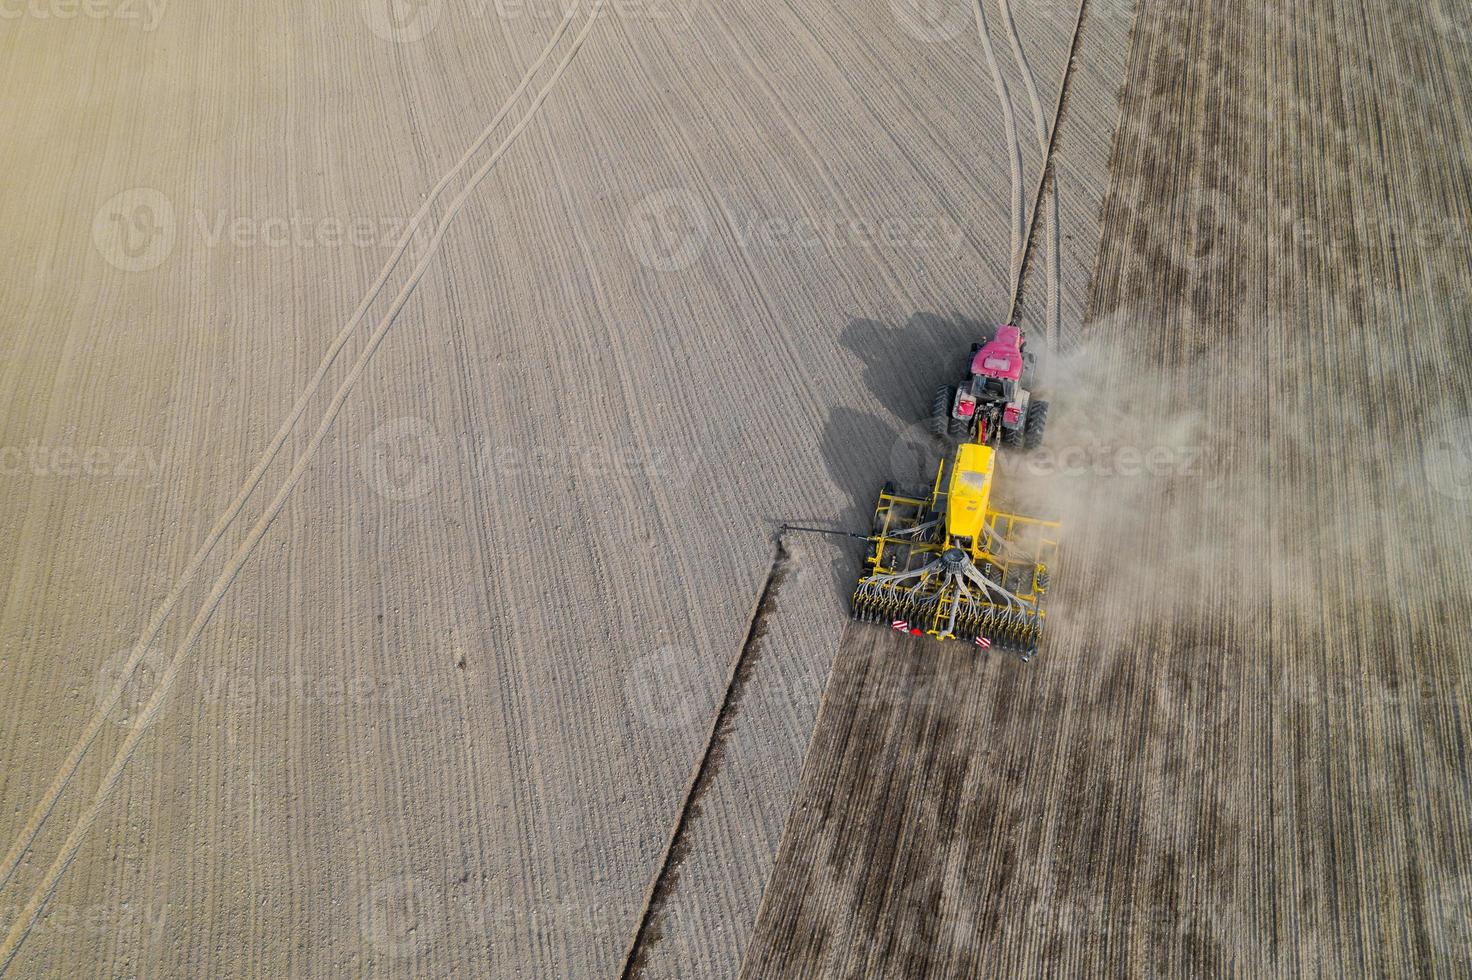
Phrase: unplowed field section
(1245, 744)
(417, 615)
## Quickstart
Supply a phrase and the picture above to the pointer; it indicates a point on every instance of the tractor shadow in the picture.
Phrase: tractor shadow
(901, 366)
(904, 363)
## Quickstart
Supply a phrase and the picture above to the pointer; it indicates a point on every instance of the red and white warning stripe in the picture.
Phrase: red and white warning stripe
(983, 642)
(901, 625)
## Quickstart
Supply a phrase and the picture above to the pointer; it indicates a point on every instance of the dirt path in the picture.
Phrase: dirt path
(1046, 195)
(1013, 146)
(1243, 748)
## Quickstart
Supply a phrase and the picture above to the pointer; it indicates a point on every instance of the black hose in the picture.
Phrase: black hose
(824, 530)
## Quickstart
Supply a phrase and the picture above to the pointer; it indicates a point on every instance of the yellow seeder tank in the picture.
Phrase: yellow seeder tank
(970, 492)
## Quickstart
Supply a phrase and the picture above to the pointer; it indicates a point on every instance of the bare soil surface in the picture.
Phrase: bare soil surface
(1244, 747)
(396, 404)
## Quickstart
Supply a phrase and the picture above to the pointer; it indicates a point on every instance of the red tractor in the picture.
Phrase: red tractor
(994, 403)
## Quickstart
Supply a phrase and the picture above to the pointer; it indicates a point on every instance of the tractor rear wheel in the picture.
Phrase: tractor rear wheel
(1013, 438)
(1037, 421)
(940, 411)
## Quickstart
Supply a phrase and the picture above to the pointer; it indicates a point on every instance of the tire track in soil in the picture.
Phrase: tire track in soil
(43, 809)
(648, 932)
(35, 904)
(1014, 146)
(1047, 190)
